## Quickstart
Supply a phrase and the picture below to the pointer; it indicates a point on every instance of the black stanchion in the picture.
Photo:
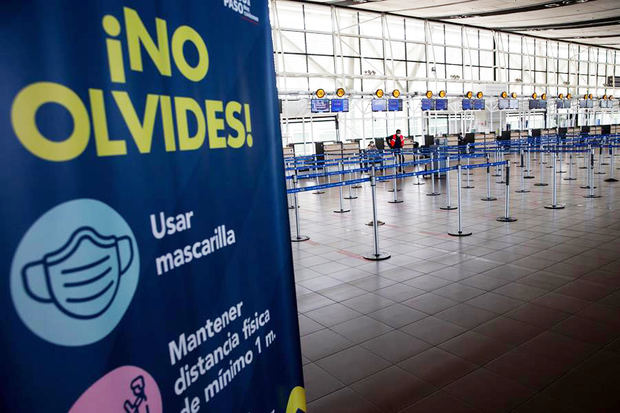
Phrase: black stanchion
(459, 232)
(522, 190)
(570, 176)
(448, 206)
(488, 197)
(298, 237)
(589, 176)
(376, 255)
(528, 163)
(611, 165)
(497, 167)
(554, 204)
(507, 217)
(432, 166)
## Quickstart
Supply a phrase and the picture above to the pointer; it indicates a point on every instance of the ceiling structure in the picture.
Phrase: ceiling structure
(593, 22)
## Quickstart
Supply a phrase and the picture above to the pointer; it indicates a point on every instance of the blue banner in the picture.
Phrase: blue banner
(145, 240)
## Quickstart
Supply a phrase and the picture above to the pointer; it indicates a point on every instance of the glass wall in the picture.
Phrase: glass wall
(329, 47)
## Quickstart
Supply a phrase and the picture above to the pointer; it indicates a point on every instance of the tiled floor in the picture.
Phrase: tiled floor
(521, 316)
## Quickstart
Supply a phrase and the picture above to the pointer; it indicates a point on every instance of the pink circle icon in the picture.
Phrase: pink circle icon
(126, 389)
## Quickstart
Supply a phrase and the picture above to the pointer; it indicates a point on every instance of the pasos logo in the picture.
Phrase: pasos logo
(243, 7)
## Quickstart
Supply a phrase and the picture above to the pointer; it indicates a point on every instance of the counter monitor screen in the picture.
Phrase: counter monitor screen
(514, 104)
(340, 105)
(379, 105)
(395, 105)
(427, 104)
(503, 104)
(590, 103)
(542, 104)
(478, 104)
(534, 104)
(441, 104)
(319, 105)
(468, 104)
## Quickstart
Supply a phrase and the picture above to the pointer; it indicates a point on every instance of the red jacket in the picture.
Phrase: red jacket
(396, 141)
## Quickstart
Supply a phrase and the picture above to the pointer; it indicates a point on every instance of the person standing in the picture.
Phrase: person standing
(396, 143)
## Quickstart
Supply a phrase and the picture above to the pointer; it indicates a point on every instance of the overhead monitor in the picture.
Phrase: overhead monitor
(590, 103)
(441, 104)
(583, 103)
(467, 104)
(542, 104)
(605, 103)
(559, 104)
(514, 104)
(503, 104)
(534, 104)
(340, 105)
(319, 105)
(479, 104)
(395, 105)
(428, 104)
(379, 105)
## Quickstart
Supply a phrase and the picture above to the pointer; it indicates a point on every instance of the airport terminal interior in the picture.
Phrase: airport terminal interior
(452, 172)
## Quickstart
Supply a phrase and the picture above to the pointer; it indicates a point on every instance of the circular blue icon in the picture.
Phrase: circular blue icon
(75, 272)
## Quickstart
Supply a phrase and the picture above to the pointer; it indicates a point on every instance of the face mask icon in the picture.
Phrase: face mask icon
(81, 277)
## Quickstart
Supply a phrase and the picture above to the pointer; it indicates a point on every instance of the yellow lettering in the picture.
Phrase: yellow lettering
(115, 55)
(142, 132)
(180, 36)
(182, 106)
(23, 118)
(214, 124)
(138, 35)
(167, 123)
(233, 108)
(105, 147)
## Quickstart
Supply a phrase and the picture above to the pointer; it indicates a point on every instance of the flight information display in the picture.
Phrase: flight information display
(340, 105)
(319, 105)
(428, 104)
(503, 104)
(534, 104)
(514, 104)
(379, 105)
(467, 104)
(479, 104)
(395, 105)
(441, 104)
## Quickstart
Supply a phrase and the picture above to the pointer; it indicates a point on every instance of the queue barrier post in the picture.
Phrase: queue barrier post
(376, 255)
(448, 206)
(591, 178)
(507, 217)
(611, 165)
(570, 176)
(341, 210)
(432, 166)
(298, 237)
(416, 159)
(459, 232)
(554, 204)
(600, 161)
(350, 196)
(488, 197)
(528, 164)
(522, 190)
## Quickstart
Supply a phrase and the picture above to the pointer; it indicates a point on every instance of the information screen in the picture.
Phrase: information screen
(479, 104)
(590, 103)
(319, 105)
(441, 104)
(583, 103)
(467, 104)
(395, 105)
(534, 104)
(379, 105)
(340, 105)
(427, 104)
(503, 104)
(514, 104)
(542, 104)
